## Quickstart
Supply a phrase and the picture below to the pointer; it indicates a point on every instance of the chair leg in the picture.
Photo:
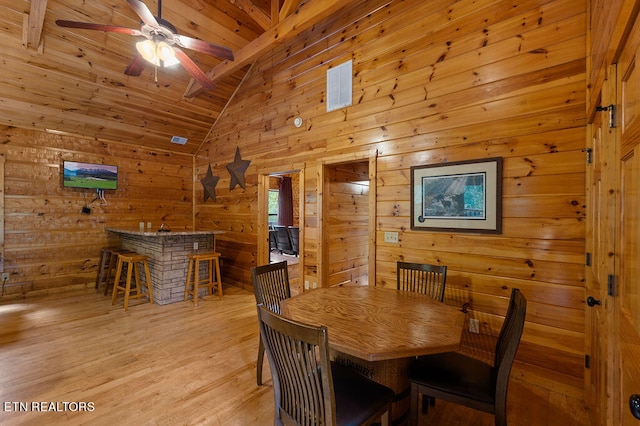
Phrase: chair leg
(188, 283)
(105, 258)
(501, 415)
(116, 280)
(147, 275)
(218, 277)
(413, 420)
(127, 291)
(196, 283)
(259, 363)
(113, 264)
(384, 421)
(427, 401)
(210, 283)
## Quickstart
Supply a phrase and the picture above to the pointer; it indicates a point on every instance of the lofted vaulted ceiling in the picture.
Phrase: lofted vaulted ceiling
(72, 80)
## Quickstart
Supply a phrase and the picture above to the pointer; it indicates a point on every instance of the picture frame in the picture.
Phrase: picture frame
(463, 196)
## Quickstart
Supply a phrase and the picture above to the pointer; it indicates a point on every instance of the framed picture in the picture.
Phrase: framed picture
(464, 196)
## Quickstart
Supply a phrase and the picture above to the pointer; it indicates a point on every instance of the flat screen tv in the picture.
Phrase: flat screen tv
(88, 175)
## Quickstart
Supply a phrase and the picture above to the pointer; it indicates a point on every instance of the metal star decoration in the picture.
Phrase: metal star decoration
(209, 183)
(237, 170)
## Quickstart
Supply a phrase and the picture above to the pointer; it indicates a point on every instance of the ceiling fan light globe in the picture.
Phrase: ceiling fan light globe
(166, 54)
(147, 49)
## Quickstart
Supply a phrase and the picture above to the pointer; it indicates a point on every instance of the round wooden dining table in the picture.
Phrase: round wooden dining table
(379, 331)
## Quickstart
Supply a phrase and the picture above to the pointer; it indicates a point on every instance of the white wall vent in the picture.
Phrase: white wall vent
(179, 140)
(339, 86)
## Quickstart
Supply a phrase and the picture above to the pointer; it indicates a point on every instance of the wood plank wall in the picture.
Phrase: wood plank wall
(49, 245)
(435, 82)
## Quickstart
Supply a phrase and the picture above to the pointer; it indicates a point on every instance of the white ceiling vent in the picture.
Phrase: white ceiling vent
(179, 140)
(339, 86)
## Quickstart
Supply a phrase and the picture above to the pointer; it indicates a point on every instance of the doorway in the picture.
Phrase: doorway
(347, 199)
(284, 222)
(280, 221)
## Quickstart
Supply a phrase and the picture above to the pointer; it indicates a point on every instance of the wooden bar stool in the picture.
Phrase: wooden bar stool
(131, 262)
(103, 266)
(107, 268)
(194, 281)
(110, 268)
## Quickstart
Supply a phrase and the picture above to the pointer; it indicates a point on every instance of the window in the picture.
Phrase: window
(273, 206)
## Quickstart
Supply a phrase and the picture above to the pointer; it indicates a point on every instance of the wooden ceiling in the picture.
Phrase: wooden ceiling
(72, 80)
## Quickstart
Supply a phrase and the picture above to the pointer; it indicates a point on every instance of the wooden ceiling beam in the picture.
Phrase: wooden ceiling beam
(288, 8)
(308, 14)
(203, 21)
(275, 12)
(35, 23)
(248, 7)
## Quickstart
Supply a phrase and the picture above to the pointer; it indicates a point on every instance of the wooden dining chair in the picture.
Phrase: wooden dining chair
(270, 287)
(422, 278)
(308, 388)
(468, 381)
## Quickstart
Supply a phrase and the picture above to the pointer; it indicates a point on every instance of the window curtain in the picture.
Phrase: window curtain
(285, 202)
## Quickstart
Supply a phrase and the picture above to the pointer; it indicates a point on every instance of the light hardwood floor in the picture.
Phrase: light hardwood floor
(171, 365)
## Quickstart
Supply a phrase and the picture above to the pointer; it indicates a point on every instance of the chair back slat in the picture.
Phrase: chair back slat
(299, 358)
(271, 284)
(422, 278)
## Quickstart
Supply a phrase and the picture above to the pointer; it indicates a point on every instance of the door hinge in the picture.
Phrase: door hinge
(611, 285)
(587, 259)
(587, 361)
(612, 114)
(589, 156)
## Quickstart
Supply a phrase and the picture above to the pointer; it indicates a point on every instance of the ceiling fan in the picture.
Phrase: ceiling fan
(162, 43)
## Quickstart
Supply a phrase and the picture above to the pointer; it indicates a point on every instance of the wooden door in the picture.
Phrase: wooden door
(627, 290)
(600, 243)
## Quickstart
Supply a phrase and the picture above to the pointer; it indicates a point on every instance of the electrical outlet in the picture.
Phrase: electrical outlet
(195, 245)
(391, 237)
(5, 277)
(474, 326)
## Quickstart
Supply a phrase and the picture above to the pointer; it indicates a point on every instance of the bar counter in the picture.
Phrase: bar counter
(167, 253)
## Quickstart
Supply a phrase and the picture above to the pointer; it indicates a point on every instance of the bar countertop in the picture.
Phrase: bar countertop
(161, 233)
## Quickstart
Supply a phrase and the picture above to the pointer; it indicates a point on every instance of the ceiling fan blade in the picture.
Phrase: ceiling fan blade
(98, 27)
(136, 66)
(143, 12)
(193, 69)
(204, 47)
